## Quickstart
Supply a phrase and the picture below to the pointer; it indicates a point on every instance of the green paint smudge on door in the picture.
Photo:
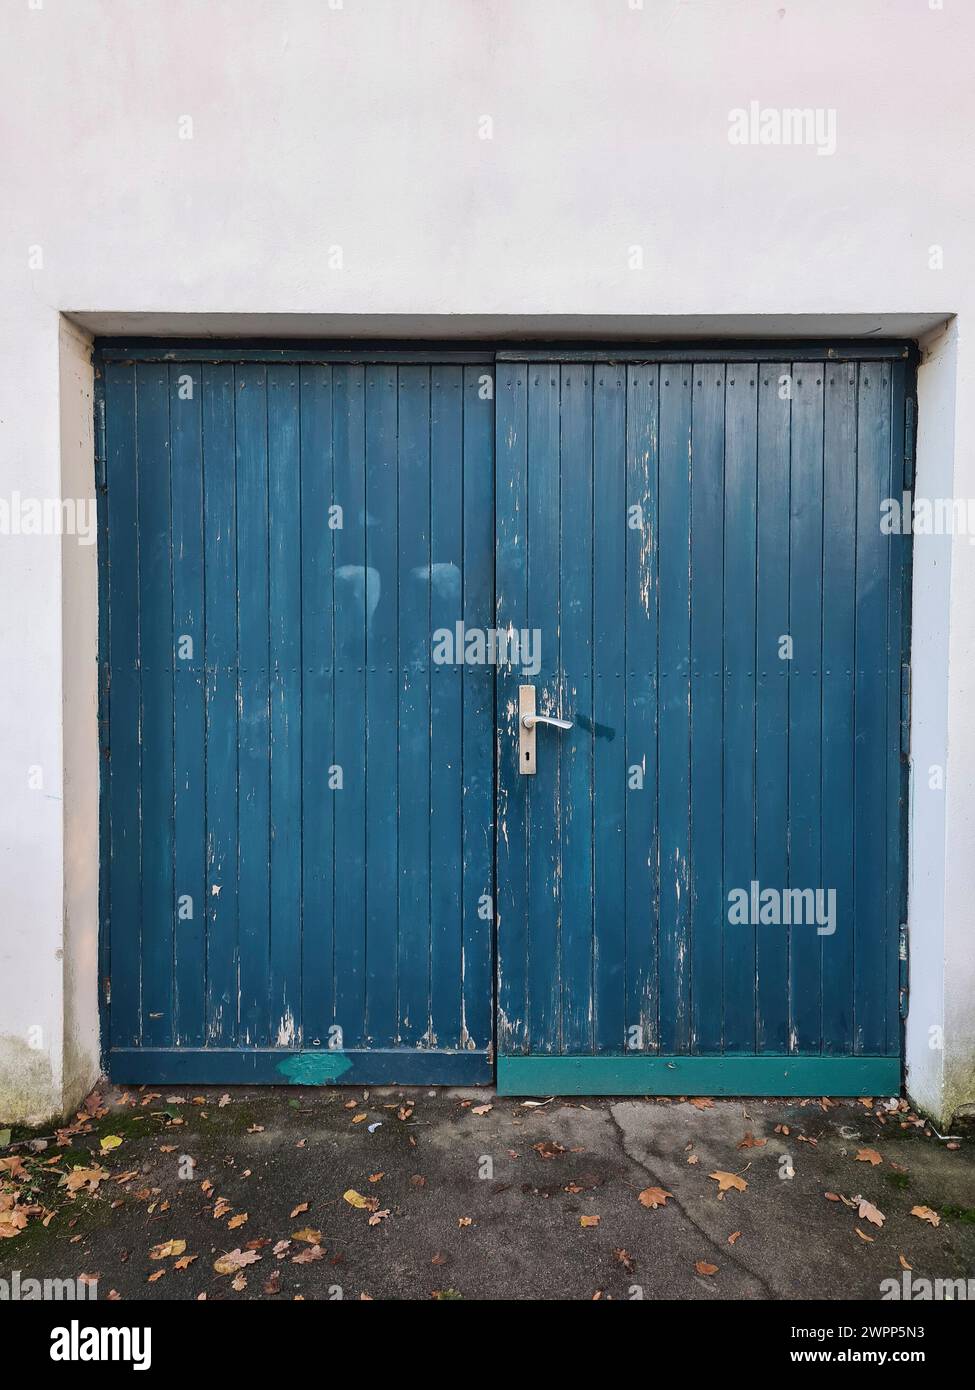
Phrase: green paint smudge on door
(314, 1068)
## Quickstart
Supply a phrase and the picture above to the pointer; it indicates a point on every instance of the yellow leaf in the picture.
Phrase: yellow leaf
(588, 1220)
(355, 1199)
(236, 1221)
(167, 1249)
(309, 1235)
(112, 1141)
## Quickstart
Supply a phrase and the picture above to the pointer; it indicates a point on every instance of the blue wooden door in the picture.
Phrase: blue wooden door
(298, 794)
(700, 885)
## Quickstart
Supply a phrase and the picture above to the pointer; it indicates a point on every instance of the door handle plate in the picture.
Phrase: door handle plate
(526, 734)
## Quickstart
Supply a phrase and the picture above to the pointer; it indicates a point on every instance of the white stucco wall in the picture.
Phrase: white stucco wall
(360, 127)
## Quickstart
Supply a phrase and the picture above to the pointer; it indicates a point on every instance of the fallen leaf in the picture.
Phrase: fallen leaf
(704, 1268)
(355, 1199)
(750, 1142)
(926, 1214)
(234, 1260)
(726, 1181)
(298, 1210)
(654, 1197)
(869, 1156)
(309, 1235)
(237, 1221)
(255, 1129)
(185, 1262)
(703, 1102)
(735, 1235)
(868, 1239)
(309, 1256)
(167, 1249)
(548, 1148)
(357, 1119)
(832, 1196)
(903, 1263)
(465, 1221)
(868, 1210)
(378, 1216)
(273, 1285)
(376, 1177)
(439, 1258)
(240, 1283)
(481, 1109)
(153, 1277)
(625, 1259)
(224, 1100)
(588, 1220)
(111, 1141)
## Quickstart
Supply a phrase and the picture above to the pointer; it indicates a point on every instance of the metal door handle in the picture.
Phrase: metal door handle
(527, 719)
(530, 720)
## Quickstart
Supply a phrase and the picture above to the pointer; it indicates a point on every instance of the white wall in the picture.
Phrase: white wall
(359, 127)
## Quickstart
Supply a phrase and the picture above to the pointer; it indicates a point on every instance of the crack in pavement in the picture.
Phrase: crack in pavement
(726, 1251)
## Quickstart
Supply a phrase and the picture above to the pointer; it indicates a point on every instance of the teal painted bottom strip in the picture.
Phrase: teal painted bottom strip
(293, 1067)
(699, 1076)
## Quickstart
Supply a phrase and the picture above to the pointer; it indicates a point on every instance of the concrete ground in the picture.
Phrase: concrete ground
(417, 1194)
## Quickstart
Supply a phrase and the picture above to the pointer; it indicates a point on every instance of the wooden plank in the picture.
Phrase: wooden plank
(679, 1075)
(738, 746)
(125, 749)
(642, 849)
(805, 709)
(319, 797)
(511, 389)
(185, 397)
(351, 607)
(414, 750)
(575, 645)
(477, 998)
(674, 718)
(376, 592)
(446, 848)
(839, 656)
(871, 737)
(253, 730)
(708, 906)
(156, 661)
(285, 662)
(609, 709)
(220, 561)
(772, 698)
(543, 791)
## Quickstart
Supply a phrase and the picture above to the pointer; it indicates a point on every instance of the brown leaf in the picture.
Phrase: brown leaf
(298, 1210)
(625, 1259)
(378, 1216)
(750, 1142)
(481, 1109)
(703, 1268)
(465, 1221)
(903, 1263)
(654, 1197)
(273, 1285)
(357, 1119)
(153, 1277)
(376, 1177)
(308, 1234)
(726, 1181)
(869, 1156)
(309, 1256)
(735, 1235)
(185, 1262)
(439, 1258)
(703, 1102)
(926, 1214)
(868, 1239)
(239, 1283)
(237, 1221)
(588, 1220)
(548, 1148)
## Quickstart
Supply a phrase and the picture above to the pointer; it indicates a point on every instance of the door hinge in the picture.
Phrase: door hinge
(909, 433)
(903, 964)
(905, 709)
